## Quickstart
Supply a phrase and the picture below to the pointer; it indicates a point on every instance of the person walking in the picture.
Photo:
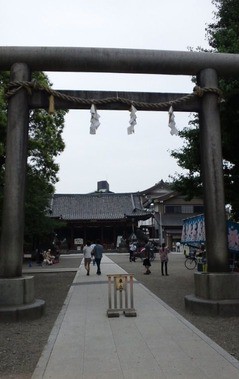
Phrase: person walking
(163, 253)
(87, 250)
(132, 250)
(97, 252)
(93, 258)
(146, 261)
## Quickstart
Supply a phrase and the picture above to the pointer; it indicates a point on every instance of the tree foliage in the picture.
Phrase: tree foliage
(223, 37)
(44, 145)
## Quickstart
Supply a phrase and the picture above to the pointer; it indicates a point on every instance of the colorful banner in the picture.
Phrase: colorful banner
(233, 236)
(193, 232)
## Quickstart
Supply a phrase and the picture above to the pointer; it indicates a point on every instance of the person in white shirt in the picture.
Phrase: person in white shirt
(87, 250)
(93, 258)
(132, 250)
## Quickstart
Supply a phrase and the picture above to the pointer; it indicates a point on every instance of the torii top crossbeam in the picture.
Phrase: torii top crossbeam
(84, 59)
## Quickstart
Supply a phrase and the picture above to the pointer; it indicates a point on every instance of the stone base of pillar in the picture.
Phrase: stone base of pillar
(215, 294)
(17, 300)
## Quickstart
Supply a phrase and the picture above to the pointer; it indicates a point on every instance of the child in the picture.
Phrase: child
(147, 264)
(146, 261)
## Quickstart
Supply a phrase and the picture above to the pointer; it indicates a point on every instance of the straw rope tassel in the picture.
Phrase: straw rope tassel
(51, 109)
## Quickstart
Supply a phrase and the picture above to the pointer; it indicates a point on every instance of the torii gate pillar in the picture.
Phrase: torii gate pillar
(17, 292)
(216, 292)
(212, 175)
(15, 177)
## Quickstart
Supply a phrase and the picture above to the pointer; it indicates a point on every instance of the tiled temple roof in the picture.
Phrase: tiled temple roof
(98, 206)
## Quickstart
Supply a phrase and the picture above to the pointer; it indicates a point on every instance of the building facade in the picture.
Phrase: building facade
(101, 215)
(169, 208)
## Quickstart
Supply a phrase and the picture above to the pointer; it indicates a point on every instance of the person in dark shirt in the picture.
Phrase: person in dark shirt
(98, 253)
(146, 261)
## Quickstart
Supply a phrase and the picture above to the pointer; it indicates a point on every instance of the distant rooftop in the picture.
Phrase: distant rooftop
(99, 206)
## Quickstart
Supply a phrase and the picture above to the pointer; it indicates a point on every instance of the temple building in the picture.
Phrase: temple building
(106, 216)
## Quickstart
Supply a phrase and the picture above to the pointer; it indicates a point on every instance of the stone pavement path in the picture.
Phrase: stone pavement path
(158, 343)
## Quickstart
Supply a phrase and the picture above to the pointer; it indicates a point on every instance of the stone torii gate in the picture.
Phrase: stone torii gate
(215, 291)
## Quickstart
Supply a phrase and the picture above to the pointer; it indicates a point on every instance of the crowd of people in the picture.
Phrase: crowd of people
(147, 253)
(93, 252)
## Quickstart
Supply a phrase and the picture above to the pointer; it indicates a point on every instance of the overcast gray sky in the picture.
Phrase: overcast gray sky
(128, 162)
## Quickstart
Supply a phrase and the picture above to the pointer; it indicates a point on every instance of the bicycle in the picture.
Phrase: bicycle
(191, 262)
(152, 255)
(142, 254)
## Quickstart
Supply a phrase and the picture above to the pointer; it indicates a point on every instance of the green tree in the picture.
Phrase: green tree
(223, 37)
(44, 145)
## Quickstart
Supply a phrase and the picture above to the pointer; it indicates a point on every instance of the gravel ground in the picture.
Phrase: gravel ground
(21, 343)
